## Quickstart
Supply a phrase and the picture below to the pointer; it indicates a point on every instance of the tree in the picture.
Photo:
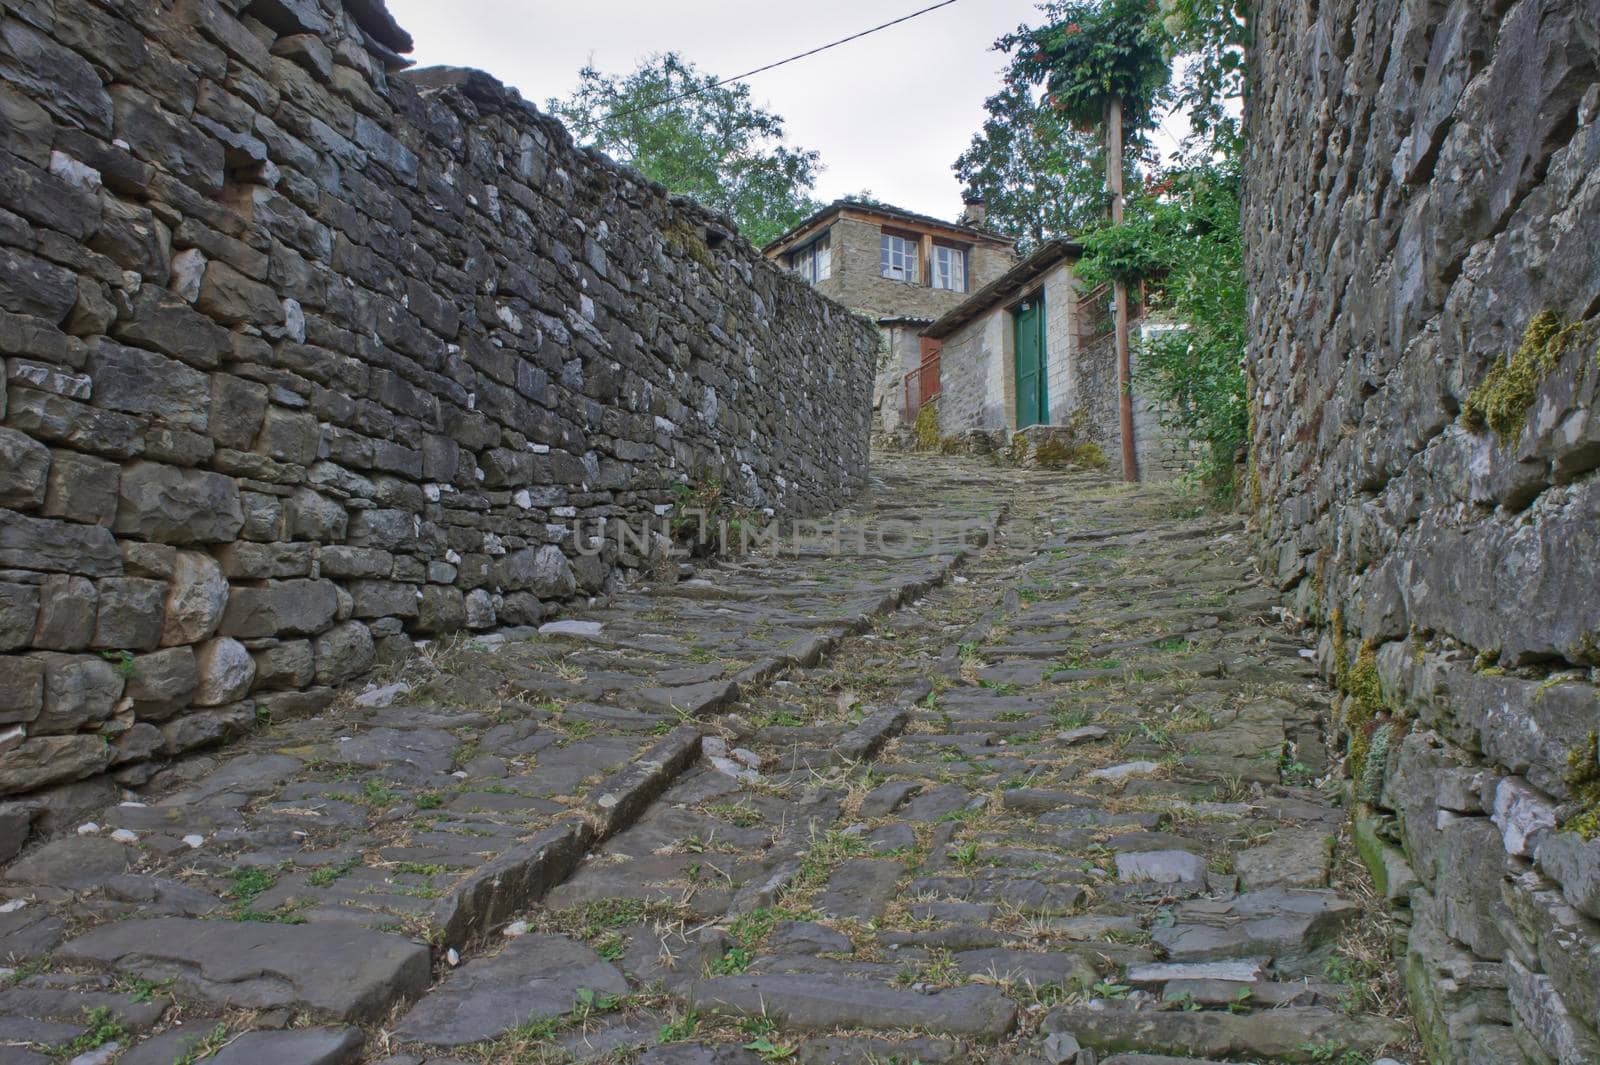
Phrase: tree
(1038, 177)
(1212, 36)
(1186, 241)
(1106, 62)
(676, 125)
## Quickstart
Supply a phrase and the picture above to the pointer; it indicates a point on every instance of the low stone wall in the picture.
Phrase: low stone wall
(304, 358)
(1422, 212)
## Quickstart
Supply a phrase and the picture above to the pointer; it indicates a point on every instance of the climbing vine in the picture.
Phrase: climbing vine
(1185, 241)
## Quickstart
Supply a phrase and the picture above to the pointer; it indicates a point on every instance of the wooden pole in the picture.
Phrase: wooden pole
(1130, 455)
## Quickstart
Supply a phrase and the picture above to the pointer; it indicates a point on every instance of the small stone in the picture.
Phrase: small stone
(377, 698)
(88, 828)
(1059, 1048)
(571, 628)
(1125, 771)
(1081, 735)
(193, 842)
(123, 835)
(1162, 867)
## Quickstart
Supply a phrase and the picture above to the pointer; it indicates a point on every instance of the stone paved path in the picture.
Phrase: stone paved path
(1047, 797)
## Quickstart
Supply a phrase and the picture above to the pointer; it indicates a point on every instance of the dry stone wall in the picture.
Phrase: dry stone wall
(304, 358)
(1422, 218)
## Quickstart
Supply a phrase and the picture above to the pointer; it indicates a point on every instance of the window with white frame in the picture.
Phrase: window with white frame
(899, 258)
(814, 262)
(949, 268)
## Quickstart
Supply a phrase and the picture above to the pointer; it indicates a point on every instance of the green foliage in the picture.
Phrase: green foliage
(715, 145)
(1502, 398)
(123, 661)
(1213, 36)
(1188, 241)
(1094, 51)
(1039, 178)
(101, 1027)
(1583, 783)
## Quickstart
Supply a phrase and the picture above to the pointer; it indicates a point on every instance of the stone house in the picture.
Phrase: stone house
(903, 270)
(1036, 347)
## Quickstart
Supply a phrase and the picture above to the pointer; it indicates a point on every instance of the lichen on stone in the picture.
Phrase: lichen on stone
(1370, 773)
(1363, 702)
(1583, 784)
(686, 238)
(1501, 401)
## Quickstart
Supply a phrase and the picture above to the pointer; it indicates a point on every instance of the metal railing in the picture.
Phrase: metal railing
(922, 384)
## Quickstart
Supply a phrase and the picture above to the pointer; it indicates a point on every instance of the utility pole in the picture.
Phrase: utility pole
(1130, 457)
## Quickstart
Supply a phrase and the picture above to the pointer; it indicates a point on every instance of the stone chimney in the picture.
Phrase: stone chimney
(975, 213)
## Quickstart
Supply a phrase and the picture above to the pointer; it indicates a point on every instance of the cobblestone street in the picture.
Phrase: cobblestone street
(1048, 798)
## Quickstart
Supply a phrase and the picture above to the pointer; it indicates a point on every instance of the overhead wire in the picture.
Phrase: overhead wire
(780, 63)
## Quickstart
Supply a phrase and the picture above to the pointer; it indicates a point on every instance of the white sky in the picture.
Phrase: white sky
(889, 113)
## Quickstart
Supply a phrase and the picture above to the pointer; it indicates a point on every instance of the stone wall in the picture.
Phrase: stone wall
(1422, 218)
(305, 358)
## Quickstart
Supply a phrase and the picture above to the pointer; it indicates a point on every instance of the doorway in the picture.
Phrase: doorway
(1033, 401)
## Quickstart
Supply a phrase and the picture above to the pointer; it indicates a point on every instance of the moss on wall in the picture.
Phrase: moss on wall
(1502, 399)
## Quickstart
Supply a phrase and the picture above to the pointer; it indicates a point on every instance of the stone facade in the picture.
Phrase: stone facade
(858, 280)
(1422, 213)
(854, 233)
(305, 358)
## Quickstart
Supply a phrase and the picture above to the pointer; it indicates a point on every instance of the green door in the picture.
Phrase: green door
(1033, 404)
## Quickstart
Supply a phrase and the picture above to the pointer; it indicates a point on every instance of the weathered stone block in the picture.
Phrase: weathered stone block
(231, 298)
(226, 672)
(264, 519)
(380, 599)
(242, 560)
(163, 683)
(287, 665)
(290, 436)
(442, 609)
(338, 561)
(76, 425)
(170, 326)
(21, 689)
(207, 728)
(57, 546)
(68, 606)
(19, 614)
(177, 506)
(238, 407)
(52, 759)
(1574, 863)
(79, 690)
(544, 571)
(384, 529)
(140, 382)
(24, 467)
(313, 516)
(196, 600)
(343, 653)
(279, 608)
(156, 561)
(82, 489)
(131, 614)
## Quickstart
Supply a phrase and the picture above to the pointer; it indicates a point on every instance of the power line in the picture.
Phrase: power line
(779, 63)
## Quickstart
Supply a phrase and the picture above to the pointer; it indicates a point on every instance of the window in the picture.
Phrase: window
(814, 262)
(949, 268)
(899, 258)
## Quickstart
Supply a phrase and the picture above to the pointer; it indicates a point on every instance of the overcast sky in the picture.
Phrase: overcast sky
(889, 113)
